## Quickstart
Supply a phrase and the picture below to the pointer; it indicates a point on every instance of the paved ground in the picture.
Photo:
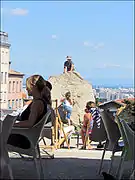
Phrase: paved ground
(67, 164)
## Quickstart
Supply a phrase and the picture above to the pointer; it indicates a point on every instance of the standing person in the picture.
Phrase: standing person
(87, 124)
(68, 65)
(96, 117)
(67, 106)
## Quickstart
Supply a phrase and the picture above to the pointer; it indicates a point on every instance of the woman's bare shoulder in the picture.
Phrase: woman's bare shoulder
(87, 115)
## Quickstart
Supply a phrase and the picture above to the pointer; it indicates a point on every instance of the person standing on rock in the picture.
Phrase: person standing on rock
(68, 65)
(67, 104)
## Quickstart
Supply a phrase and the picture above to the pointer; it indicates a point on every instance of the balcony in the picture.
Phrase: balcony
(4, 40)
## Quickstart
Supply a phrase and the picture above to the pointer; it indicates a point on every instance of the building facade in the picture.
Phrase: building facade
(4, 69)
(15, 93)
(10, 81)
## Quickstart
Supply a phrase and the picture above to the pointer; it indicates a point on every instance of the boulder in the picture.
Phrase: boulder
(81, 91)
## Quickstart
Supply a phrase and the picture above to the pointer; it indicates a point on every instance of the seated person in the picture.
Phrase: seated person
(87, 124)
(96, 117)
(38, 88)
(68, 65)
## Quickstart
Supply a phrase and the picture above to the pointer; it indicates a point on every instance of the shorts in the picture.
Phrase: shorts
(68, 111)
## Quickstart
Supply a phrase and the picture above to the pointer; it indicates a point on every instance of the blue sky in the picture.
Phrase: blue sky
(98, 36)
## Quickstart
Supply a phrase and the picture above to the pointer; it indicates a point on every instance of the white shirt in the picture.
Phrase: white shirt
(67, 103)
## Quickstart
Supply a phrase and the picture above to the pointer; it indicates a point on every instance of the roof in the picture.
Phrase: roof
(12, 72)
(122, 100)
(111, 105)
(115, 103)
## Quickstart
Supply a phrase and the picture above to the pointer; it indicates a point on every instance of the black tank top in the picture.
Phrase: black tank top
(25, 114)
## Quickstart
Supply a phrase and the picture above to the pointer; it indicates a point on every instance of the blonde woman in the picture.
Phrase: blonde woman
(40, 90)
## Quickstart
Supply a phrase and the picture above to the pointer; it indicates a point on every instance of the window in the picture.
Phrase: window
(16, 105)
(5, 96)
(20, 86)
(12, 104)
(5, 77)
(9, 106)
(2, 38)
(13, 88)
(0, 96)
(20, 103)
(17, 88)
(9, 88)
(1, 78)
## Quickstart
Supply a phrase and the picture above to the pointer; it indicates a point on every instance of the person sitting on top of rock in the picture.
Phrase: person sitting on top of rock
(68, 65)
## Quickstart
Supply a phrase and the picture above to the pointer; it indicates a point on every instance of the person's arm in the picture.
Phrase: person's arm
(36, 110)
(62, 100)
(65, 67)
(73, 102)
(72, 67)
(70, 101)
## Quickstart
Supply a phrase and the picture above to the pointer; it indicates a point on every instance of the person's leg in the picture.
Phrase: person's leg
(64, 110)
(69, 111)
(19, 141)
(82, 136)
(90, 147)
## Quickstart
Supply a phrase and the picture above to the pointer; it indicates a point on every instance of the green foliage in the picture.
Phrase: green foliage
(130, 106)
(96, 101)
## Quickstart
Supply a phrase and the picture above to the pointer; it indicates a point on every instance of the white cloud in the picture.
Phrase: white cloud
(14, 12)
(54, 36)
(111, 65)
(104, 66)
(114, 66)
(92, 45)
(99, 45)
(19, 12)
(86, 43)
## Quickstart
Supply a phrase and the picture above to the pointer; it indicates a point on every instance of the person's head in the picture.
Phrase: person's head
(33, 83)
(68, 95)
(69, 58)
(90, 104)
(37, 85)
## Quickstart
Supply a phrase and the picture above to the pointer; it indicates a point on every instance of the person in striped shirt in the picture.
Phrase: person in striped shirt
(96, 117)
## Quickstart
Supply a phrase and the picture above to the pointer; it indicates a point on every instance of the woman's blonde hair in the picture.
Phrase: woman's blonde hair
(43, 86)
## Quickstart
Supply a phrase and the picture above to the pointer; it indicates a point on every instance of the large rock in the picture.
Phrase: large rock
(80, 89)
